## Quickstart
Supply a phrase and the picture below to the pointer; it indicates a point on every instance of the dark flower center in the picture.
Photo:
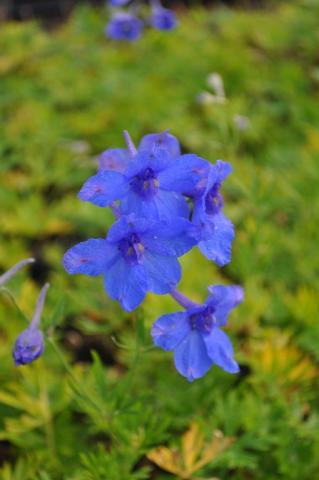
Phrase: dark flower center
(214, 200)
(145, 183)
(131, 248)
(203, 321)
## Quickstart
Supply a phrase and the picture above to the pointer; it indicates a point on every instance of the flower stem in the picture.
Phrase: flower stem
(10, 273)
(182, 299)
(130, 145)
(39, 306)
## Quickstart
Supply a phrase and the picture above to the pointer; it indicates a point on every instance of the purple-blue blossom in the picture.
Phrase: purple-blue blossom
(151, 185)
(6, 276)
(124, 26)
(118, 3)
(30, 343)
(195, 334)
(137, 256)
(163, 18)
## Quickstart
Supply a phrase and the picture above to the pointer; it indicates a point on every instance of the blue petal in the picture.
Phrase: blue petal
(217, 237)
(115, 159)
(163, 273)
(190, 357)
(184, 174)
(224, 299)
(169, 330)
(91, 257)
(157, 161)
(171, 237)
(220, 350)
(163, 205)
(126, 283)
(104, 188)
(128, 224)
(170, 205)
(161, 141)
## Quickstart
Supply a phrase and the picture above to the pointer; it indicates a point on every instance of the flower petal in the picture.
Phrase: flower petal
(161, 141)
(220, 350)
(163, 273)
(91, 257)
(191, 358)
(224, 298)
(126, 283)
(104, 188)
(184, 174)
(171, 237)
(115, 159)
(217, 237)
(169, 330)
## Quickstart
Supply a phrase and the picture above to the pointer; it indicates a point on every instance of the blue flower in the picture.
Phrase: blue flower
(163, 18)
(151, 185)
(164, 141)
(118, 3)
(138, 255)
(30, 343)
(124, 26)
(195, 335)
(217, 231)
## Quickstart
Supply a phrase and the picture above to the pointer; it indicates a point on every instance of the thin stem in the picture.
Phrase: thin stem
(12, 271)
(130, 145)
(182, 299)
(39, 306)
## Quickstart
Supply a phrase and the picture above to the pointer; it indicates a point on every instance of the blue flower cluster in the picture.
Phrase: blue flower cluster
(164, 204)
(126, 24)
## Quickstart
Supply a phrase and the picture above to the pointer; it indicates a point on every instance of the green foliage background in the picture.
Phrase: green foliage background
(67, 95)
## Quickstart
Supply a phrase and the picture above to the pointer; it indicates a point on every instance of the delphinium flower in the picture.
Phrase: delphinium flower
(151, 184)
(164, 204)
(30, 343)
(162, 18)
(138, 255)
(195, 334)
(126, 25)
(13, 270)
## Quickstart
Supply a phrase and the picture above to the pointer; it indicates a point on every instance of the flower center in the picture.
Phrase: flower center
(214, 200)
(131, 248)
(203, 321)
(145, 184)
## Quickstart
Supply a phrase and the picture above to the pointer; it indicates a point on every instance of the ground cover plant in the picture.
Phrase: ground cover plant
(102, 402)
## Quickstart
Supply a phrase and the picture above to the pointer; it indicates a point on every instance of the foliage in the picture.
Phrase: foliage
(101, 399)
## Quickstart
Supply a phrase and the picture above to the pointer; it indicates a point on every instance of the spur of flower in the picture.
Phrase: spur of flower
(137, 256)
(195, 334)
(30, 343)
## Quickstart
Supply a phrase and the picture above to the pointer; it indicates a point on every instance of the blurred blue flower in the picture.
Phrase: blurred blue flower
(195, 335)
(118, 3)
(217, 231)
(163, 18)
(30, 343)
(138, 255)
(124, 26)
(151, 185)
(163, 140)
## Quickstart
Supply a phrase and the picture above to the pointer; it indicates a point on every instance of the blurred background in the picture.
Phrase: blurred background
(101, 405)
